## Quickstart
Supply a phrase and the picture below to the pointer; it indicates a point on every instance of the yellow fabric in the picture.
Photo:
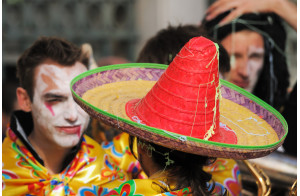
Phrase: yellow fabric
(119, 151)
(147, 187)
(226, 172)
(90, 171)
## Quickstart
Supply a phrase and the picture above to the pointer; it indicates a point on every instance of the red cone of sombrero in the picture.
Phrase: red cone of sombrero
(185, 100)
(186, 107)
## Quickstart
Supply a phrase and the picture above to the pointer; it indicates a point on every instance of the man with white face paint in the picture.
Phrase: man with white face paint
(46, 151)
(56, 116)
(255, 43)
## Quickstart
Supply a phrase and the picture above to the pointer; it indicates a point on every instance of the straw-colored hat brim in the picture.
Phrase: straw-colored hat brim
(116, 116)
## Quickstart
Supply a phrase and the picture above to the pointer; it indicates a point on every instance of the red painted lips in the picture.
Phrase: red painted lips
(70, 129)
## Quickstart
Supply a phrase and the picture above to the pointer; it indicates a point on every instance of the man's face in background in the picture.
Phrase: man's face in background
(246, 51)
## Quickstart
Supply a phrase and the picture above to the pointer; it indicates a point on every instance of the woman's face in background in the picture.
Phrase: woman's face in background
(246, 51)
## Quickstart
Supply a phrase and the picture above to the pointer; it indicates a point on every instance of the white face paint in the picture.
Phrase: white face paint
(58, 120)
(246, 50)
(254, 65)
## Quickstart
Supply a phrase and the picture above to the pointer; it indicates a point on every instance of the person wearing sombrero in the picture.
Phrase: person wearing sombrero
(180, 116)
(163, 48)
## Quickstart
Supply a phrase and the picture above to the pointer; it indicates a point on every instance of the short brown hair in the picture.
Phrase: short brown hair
(54, 48)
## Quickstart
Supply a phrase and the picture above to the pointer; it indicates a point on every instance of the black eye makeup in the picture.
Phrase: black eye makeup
(52, 98)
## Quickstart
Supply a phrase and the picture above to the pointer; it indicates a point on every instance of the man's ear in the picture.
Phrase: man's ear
(23, 99)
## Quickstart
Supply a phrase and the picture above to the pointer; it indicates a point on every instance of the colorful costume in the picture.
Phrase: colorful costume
(225, 172)
(91, 170)
(23, 174)
(155, 187)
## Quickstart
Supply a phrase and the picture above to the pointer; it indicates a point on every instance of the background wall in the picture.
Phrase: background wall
(108, 25)
(112, 27)
(158, 14)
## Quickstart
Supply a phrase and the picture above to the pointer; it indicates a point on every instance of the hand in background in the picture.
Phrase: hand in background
(284, 8)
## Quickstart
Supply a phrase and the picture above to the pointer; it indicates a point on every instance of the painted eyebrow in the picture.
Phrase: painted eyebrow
(52, 95)
(256, 54)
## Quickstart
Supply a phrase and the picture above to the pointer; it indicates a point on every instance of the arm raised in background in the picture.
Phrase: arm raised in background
(286, 9)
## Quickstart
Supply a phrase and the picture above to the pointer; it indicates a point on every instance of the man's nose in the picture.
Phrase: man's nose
(71, 112)
(243, 69)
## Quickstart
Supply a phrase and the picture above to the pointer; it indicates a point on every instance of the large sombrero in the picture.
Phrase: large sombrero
(183, 106)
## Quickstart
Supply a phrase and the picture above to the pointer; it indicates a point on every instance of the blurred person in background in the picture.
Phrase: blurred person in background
(287, 11)
(255, 43)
